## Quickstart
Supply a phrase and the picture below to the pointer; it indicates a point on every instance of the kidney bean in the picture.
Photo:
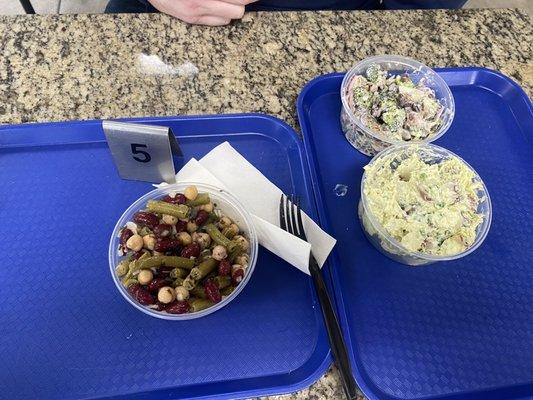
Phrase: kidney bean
(181, 226)
(192, 250)
(201, 217)
(162, 230)
(144, 297)
(162, 272)
(178, 307)
(133, 289)
(237, 276)
(166, 244)
(156, 284)
(125, 234)
(212, 291)
(178, 199)
(224, 267)
(146, 218)
(140, 294)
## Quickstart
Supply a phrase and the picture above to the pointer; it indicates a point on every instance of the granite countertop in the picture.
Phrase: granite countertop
(72, 67)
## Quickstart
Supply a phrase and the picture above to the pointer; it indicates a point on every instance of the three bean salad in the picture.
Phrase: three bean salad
(181, 254)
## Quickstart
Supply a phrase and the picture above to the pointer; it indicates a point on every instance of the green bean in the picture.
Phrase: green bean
(203, 269)
(128, 275)
(122, 268)
(166, 261)
(145, 231)
(177, 210)
(222, 281)
(227, 290)
(204, 255)
(199, 292)
(135, 265)
(200, 200)
(210, 275)
(131, 281)
(189, 283)
(178, 273)
(225, 232)
(229, 232)
(234, 253)
(212, 218)
(217, 236)
(178, 282)
(143, 256)
(200, 304)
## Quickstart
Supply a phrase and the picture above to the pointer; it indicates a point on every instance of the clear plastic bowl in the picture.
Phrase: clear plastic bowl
(370, 142)
(225, 202)
(387, 244)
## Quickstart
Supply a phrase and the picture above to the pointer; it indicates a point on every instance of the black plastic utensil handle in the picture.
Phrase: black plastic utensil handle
(28, 8)
(333, 328)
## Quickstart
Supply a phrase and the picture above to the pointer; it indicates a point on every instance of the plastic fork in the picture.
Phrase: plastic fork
(290, 220)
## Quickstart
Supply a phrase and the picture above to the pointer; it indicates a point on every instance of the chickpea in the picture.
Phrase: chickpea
(145, 277)
(236, 267)
(191, 227)
(169, 219)
(224, 222)
(207, 207)
(243, 260)
(184, 238)
(242, 242)
(219, 252)
(166, 295)
(202, 238)
(157, 253)
(135, 243)
(181, 293)
(191, 192)
(149, 241)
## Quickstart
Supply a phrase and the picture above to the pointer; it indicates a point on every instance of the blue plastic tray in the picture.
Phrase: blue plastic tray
(65, 331)
(455, 330)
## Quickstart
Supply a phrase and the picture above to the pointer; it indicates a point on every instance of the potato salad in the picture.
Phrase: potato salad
(429, 208)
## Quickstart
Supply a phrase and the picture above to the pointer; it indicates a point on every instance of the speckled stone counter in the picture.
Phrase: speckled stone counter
(69, 67)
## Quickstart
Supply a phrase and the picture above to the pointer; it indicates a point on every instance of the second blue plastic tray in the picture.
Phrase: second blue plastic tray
(455, 330)
(66, 332)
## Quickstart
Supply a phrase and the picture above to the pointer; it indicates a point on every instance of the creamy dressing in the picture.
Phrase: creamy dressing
(394, 105)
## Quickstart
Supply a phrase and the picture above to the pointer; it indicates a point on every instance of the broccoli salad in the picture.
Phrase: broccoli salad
(429, 208)
(394, 106)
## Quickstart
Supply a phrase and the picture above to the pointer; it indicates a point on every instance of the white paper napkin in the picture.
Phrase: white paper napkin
(226, 168)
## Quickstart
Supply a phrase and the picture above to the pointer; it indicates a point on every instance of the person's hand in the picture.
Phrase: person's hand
(203, 12)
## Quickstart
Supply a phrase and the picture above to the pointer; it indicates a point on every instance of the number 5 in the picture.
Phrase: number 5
(135, 150)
